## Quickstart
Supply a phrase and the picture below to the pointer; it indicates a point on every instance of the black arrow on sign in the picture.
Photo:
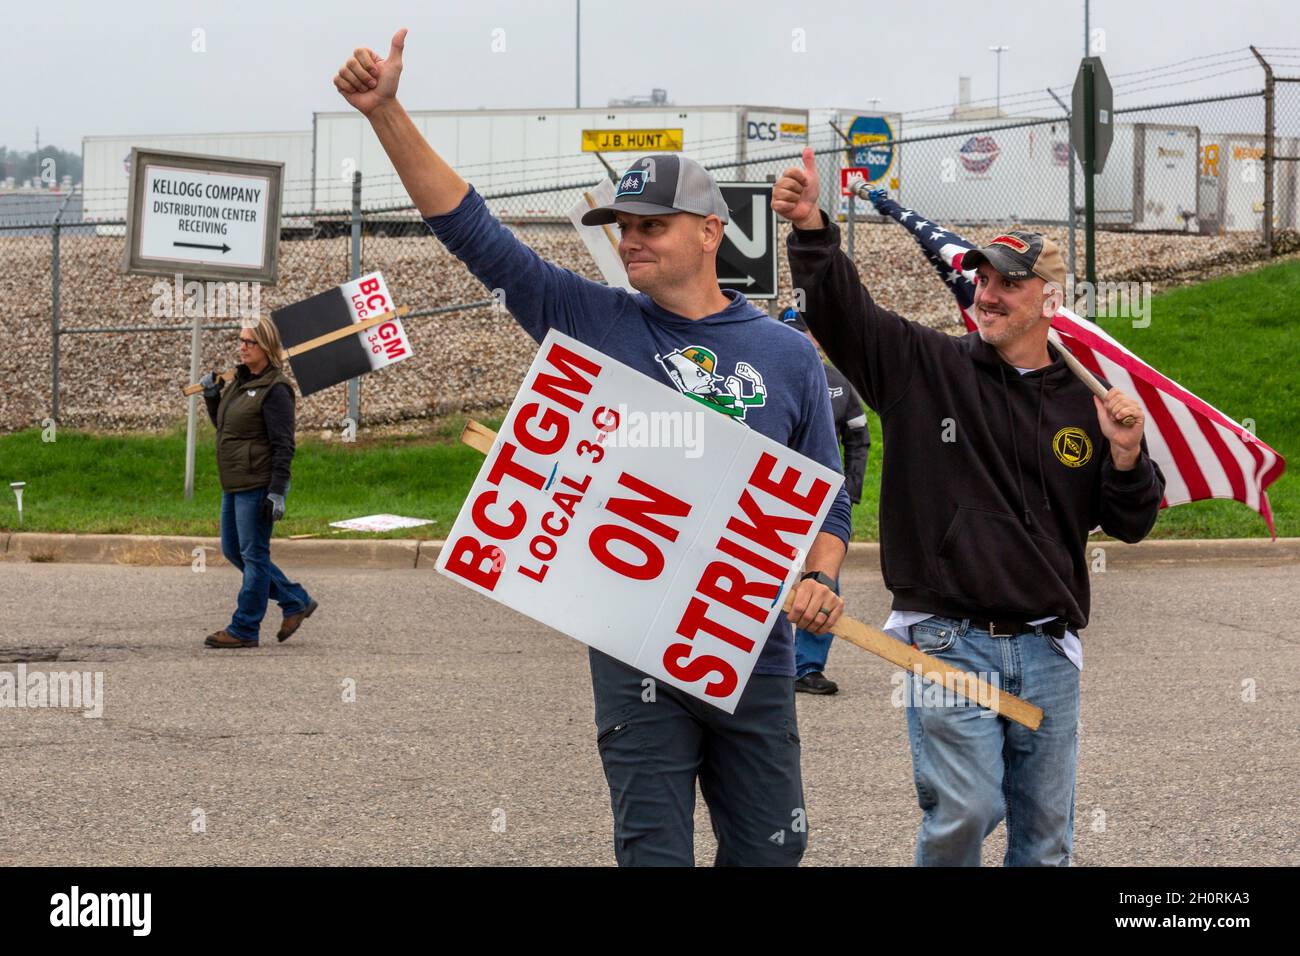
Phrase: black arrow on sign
(199, 245)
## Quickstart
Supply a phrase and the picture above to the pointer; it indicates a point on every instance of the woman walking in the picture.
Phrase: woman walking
(254, 418)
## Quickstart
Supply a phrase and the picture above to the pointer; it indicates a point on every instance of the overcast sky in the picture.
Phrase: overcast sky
(82, 67)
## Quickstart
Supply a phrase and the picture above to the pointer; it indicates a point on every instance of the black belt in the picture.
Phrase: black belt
(1005, 628)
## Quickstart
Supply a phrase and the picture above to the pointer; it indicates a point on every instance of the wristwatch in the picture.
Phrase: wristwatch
(821, 578)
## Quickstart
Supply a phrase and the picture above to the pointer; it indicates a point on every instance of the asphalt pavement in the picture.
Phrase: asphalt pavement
(413, 722)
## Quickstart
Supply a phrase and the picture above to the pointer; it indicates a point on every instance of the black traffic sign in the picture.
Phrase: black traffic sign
(747, 256)
(1101, 114)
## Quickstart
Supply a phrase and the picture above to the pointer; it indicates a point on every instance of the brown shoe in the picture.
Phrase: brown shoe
(223, 639)
(293, 621)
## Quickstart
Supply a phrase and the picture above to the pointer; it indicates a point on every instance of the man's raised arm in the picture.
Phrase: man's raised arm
(369, 83)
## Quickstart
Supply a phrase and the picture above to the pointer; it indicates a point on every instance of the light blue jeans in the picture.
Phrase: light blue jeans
(973, 768)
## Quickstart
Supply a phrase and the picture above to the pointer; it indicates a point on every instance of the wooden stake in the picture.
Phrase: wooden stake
(481, 438)
(609, 233)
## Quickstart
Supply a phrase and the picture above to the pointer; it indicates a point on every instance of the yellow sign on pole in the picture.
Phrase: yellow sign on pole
(631, 140)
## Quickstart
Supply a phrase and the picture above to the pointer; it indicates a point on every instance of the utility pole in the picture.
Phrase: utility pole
(577, 55)
(999, 50)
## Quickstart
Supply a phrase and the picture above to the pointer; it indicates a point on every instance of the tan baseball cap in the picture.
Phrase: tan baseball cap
(1018, 255)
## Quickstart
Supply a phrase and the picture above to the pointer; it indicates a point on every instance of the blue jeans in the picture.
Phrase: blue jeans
(246, 543)
(973, 768)
(811, 650)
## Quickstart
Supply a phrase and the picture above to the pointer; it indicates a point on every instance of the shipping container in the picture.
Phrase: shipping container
(106, 162)
(1232, 178)
(1150, 180)
(988, 171)
(871, 136)
(520, 151)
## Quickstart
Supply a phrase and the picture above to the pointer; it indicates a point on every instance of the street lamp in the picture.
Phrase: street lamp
(999, 50)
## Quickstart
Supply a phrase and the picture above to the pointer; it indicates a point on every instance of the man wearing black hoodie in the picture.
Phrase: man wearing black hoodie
(999, 464)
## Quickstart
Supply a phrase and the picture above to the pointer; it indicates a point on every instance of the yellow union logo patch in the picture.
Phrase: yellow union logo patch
(1073, 447)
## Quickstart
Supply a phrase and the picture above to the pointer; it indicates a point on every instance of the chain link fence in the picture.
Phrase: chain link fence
(1189, 187)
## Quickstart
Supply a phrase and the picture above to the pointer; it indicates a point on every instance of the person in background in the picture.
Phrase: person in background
(811, 650)
(254, 418)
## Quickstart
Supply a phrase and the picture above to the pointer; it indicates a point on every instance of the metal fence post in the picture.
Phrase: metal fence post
(54, 322)
(1074, 275)
(192, 411)
(354, 384)
(1269, 149)
(853, 215)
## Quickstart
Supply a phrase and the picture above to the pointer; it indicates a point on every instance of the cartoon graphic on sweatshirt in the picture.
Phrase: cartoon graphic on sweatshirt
(692, 371)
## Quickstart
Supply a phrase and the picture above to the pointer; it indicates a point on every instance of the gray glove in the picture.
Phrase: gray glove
(211, 385)
(272, 508)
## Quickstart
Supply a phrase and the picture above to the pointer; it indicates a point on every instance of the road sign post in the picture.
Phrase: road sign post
(193, 216)
(1091, 132)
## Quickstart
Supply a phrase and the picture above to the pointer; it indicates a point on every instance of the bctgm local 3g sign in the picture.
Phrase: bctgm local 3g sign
(673, 560)
(203, 216)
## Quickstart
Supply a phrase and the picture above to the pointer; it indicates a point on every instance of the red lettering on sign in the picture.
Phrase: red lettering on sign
(784, 489)
(737, 590)
(369, 285)
(478, 512)
(555, 524)
(467, 557)
(647, 571)
(606, 419)
(755, 561)
(539, 575)
(558, 387)
(638, 512)
(765, 529)
(552, 421)
(699, 668)
(505, 465)
(696, 619)
(657, 502)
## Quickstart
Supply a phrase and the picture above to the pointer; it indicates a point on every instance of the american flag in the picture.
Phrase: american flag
(1202, 452)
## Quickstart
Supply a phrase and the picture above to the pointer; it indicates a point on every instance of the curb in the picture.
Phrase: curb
(379, 554)
(175, 551)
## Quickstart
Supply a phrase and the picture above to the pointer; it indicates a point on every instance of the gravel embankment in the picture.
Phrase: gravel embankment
(464, 360)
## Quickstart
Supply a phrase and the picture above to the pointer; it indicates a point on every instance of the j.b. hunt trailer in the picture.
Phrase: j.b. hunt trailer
(519, 151)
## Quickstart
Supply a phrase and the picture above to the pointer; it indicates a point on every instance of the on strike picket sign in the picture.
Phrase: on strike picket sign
(337, 308)
(675, 564)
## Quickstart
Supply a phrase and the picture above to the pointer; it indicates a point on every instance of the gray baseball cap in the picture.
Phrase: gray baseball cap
(663, 184)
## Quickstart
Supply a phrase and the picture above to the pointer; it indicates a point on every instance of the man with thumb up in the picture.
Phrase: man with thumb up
(998, 463)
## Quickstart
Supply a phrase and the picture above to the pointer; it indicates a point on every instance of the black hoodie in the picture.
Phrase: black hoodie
(991, 480)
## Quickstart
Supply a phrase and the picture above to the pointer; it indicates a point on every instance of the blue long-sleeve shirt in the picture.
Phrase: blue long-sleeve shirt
(791, 407)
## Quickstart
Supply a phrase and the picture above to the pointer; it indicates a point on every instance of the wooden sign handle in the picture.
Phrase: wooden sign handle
(317, 342)
(481, 438)
(1082, 372)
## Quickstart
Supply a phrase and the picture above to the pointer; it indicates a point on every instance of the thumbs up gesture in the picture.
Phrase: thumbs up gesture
(368, 81)
(794, 196)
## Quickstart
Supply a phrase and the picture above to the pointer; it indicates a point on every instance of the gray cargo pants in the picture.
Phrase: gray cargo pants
(655, 742)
